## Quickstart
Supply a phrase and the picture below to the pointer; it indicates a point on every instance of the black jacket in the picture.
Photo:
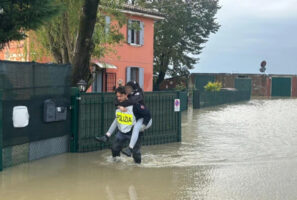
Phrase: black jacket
(140, 111)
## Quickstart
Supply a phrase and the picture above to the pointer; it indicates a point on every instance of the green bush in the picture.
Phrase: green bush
(180, 87)
(213, 86)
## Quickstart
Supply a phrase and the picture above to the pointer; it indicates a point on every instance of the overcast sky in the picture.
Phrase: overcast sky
(252, 31)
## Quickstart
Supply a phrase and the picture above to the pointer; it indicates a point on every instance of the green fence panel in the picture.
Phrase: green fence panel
(281, 87)
(96, 113)
(201, 80)
(196, 99)
(183, 100)
(1, 133)
(244, 84)
(208, 99)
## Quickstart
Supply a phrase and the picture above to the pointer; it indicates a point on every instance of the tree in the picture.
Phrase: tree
(79, 33)
(19, 16)
(180, 37)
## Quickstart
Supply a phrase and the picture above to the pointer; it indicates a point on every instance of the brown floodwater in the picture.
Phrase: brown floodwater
(243, 151)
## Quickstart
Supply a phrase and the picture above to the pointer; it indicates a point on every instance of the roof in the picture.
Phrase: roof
(136, 10)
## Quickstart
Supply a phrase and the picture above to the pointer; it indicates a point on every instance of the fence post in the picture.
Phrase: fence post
(74, 119)
(179, 121)
(102, 113)
(1, 133)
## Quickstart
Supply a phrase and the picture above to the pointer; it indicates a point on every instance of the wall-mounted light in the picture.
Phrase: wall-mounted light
(82, 85)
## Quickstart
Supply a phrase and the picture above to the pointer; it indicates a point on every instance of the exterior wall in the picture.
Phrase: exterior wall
(268, 89)
(15, 51)
(21, 51)
(294, 86)
(227, 80)
(131, 55)
(259, 85)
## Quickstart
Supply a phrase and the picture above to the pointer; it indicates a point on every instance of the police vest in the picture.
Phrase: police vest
(125, 120)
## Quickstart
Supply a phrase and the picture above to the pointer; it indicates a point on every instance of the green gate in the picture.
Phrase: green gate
(183, 100)
(93, 113)
(281, 87)
(202, 79)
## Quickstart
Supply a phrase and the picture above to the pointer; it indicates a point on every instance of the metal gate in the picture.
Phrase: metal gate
(93, 113)
(281, 87)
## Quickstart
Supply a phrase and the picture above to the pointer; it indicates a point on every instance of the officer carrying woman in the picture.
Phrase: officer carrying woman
(127, 119)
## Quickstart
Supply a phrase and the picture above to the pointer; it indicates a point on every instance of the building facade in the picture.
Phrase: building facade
(132, 60)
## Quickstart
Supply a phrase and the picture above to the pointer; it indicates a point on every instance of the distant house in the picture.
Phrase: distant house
(133, 59)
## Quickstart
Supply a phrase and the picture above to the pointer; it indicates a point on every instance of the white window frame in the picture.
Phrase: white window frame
(135, 33)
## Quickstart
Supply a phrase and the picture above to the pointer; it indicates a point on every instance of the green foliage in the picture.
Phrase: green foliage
(180, 87)
(181, 36)
(213, 86)
(59, 35)
(19, 16)
(105, 41)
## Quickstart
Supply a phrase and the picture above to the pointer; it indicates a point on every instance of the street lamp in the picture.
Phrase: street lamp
(82, 85)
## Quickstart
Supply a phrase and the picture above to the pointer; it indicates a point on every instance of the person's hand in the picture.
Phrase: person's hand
(142, 128)
(122, 109)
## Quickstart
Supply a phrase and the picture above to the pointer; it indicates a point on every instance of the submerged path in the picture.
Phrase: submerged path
(243, 151)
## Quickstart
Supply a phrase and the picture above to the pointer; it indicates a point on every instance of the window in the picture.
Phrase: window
(135, 32)
(135, 74)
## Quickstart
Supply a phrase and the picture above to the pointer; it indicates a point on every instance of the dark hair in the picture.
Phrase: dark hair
(135, 86)
(121, 90)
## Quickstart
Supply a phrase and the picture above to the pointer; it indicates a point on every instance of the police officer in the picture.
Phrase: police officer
(124, 122)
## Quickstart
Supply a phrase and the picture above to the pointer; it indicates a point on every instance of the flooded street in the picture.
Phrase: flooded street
(243, 151)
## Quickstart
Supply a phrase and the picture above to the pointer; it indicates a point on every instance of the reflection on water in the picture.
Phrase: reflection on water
(240, 151)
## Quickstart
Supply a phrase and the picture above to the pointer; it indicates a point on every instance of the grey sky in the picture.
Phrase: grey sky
(252, 31)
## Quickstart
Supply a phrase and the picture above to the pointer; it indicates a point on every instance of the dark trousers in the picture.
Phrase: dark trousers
(118, 144)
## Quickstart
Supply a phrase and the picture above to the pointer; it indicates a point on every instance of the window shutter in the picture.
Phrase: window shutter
(129, 32)
(107, 24)
(128, 74)
(141, 77)
(141, 33)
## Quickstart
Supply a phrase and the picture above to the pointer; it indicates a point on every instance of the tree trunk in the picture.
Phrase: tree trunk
(163, 69)
(65, 55)
(84, 45)
(160, 78)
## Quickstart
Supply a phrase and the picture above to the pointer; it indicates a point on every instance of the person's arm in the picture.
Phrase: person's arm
(132, 99)
(142, 112)
(125, 103)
